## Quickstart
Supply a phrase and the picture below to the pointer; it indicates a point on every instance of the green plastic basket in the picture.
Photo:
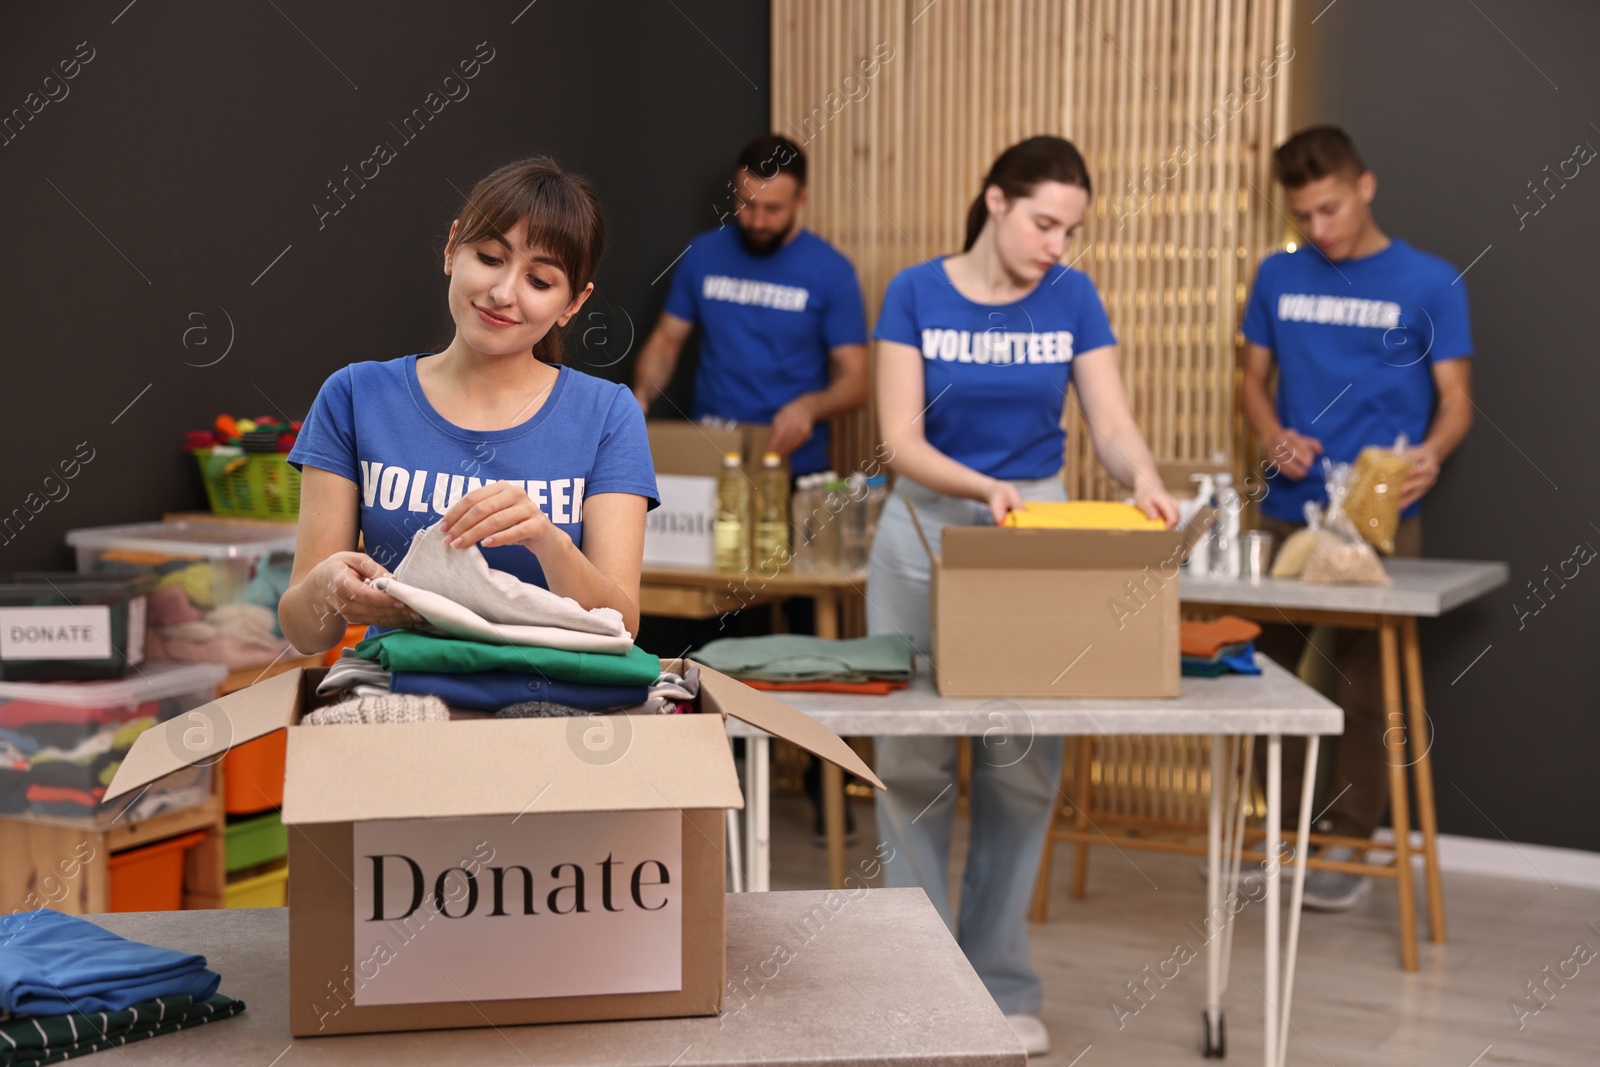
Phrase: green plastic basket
(252, 842)
(256, 485)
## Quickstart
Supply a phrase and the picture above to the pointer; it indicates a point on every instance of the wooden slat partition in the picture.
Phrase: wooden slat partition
(1155, 94)
(1175, 104)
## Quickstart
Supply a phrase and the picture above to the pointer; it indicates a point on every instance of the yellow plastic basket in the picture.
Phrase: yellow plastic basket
(258, 485)
(269, 890)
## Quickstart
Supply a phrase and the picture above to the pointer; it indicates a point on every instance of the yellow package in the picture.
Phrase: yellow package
(1081, 515)
(1372, 500)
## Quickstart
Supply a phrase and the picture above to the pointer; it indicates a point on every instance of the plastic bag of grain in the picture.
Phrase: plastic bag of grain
(1340, 555)
(1372, 498)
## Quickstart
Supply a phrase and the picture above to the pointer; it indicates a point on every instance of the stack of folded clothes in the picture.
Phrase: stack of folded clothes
(1224, 645)
(798, 663)
(491, 642)
(68, 987)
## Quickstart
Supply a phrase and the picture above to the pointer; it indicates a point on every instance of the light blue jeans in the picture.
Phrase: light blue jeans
(1013, 796)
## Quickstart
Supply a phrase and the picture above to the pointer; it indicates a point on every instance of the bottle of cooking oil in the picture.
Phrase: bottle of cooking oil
(772, 515)
(733, 517)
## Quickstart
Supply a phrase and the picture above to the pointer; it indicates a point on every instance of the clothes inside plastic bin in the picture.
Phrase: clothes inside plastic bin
(216, 585)
(62, 742)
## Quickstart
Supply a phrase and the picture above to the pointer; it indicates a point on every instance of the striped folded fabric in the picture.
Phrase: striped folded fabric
(35, 1040)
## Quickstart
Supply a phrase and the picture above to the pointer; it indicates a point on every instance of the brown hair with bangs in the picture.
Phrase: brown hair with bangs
(562, 218)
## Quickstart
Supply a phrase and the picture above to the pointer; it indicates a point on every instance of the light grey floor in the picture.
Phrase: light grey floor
(1353, 1005)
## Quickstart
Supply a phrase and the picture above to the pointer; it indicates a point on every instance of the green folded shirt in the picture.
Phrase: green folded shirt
(800, 658)
(409, 650)
(35, 1040)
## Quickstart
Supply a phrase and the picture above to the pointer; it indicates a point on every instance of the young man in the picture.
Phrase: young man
(783, 329)
(1371, 341)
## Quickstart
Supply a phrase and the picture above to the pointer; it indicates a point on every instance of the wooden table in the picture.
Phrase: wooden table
(1274, 703)
(692, 593)
(1422, 588)
(875, 978)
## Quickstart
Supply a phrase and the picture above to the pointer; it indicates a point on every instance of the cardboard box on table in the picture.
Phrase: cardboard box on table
(496, 871)
(688, 463)
(1056, 613)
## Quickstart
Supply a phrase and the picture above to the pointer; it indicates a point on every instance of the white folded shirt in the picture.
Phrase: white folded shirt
(463, 576)
(449, 617)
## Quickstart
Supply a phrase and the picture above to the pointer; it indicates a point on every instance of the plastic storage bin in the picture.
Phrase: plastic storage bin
(217, 585)
(252, 774)
(65, 626)
(252, 842)
(61, 742)
(268, 890)
(151, 878)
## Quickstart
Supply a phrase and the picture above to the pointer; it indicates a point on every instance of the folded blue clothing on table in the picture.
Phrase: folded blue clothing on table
(493, 690)
(1232, 659)
(51, 964)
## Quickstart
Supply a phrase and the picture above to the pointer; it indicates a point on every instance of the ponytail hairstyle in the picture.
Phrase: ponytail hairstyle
(1022, 167)
(562, 217)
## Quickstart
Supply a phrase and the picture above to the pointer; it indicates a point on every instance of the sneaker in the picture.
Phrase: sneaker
(1335, 890)
(1031, 1032)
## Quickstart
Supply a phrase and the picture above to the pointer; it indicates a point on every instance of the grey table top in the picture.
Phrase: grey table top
(871, 977)
(1273, 702)
(1421, 587)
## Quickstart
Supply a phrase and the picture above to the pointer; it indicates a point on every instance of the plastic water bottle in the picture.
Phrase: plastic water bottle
(772, 514)
(1199, 561)
(1225, 564)
(733, 517)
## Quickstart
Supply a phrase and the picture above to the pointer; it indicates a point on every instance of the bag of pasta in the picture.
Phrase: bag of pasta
(1296, 548)
(1372, 500)
(1339, 554)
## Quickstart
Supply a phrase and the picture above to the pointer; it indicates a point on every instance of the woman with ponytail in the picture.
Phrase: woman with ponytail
(974, 356)
(546, 469)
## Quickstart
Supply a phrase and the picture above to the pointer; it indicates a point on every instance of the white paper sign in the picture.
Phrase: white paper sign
(82, 632)
(496, 908)
(682, 531)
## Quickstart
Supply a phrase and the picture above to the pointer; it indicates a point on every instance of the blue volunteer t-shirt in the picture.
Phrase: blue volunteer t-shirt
(1355, 342)
(996, 375)
(767, 325)
(372, 424)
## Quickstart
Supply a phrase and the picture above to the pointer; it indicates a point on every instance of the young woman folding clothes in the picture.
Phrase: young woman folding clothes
(545, 469)
(974, 356)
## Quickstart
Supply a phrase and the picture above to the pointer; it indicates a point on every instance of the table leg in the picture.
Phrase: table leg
(833, 802)
(1420, 739)
(1082, 793)
(1302, 835)
(758, 812)
(1399, 809)
(1274, 846)
(826, 610)
(1214, 1047)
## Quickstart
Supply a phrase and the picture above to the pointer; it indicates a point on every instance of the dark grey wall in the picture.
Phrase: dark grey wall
(189, 152)
(172, 187)
(1456, 109)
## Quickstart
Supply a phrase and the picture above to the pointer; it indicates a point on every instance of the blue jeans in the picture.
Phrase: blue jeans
(1013, 795)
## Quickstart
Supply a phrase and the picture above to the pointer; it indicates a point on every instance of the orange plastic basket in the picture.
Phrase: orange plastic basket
(252, 774)
(151, 878)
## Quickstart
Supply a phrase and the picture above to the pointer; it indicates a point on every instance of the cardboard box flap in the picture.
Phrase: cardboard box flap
(780, 720)
(993, 548)
(508, 767)
(687, 448)
(204, 734)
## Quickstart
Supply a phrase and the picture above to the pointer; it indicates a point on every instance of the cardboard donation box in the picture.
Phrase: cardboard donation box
(688, 461)
(490, 871)
(1056, 613)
